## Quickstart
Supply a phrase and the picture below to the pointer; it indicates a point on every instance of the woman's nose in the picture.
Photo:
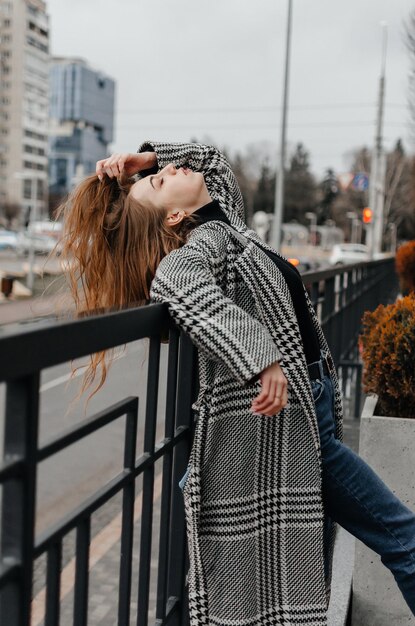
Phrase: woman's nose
(170, 168)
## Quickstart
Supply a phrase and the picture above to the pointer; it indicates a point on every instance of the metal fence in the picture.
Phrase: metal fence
(340, 296)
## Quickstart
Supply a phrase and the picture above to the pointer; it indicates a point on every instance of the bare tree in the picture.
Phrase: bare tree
(409, 37)
(9, 212)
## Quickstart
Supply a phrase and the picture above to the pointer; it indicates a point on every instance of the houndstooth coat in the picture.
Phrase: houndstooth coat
(252, 493)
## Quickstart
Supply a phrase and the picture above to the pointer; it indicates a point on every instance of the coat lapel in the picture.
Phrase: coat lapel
(276, 311)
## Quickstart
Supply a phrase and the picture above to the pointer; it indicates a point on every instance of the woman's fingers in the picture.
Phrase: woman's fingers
(263, 396)
(99, 169)
(274, 400)
(129, 163)
(264, 399)
(112, 166)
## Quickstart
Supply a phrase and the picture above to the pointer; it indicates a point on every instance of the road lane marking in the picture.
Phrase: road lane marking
(99, 546)
(66, 377)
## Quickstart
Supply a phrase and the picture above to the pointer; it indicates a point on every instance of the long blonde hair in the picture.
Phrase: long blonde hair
(111, 246)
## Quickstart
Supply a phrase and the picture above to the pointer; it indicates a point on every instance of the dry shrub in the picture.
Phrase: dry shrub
(388, 351)
(405, 266)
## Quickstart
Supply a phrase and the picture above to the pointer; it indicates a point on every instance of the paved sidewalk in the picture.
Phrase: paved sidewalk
(13, 311)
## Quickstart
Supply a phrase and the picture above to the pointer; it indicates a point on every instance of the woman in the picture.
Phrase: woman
(268, 475)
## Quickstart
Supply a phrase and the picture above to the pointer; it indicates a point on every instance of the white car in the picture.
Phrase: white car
(42, 244)
(8, 240)
(349, 253)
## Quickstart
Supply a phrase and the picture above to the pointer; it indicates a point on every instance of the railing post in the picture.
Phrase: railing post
(184, 417)
(18, 505)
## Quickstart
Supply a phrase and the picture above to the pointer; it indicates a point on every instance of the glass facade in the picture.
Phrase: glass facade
(82, 121)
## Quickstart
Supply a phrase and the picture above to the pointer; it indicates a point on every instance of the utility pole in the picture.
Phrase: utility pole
(378, 166)
(279, 183)
(31, 233)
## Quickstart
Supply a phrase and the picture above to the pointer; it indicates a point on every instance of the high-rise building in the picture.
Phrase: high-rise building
(81, 121)
(24, 102)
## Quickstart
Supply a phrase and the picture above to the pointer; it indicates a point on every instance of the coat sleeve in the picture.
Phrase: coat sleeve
(217, 326)
(220, 180)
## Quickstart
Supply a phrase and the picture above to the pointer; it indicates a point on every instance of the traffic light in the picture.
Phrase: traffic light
(367, 215)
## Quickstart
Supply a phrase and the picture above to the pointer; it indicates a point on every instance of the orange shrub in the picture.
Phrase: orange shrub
(388, 352)
(405, 266)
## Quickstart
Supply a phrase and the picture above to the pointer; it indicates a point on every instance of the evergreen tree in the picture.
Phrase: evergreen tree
(300, 189)
(265, 190)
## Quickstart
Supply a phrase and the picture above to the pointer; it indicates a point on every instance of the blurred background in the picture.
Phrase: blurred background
(332, 113)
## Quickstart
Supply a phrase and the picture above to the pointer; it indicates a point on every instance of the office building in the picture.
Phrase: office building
(24, 100)
(81, 121)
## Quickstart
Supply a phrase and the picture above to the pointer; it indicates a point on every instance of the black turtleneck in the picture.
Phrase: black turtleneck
(292, 276)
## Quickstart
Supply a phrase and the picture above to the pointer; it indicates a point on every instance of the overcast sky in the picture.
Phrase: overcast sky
(213, 69)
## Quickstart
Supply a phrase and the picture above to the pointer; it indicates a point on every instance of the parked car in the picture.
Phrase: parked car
(349, 253)
(8, 240)
(304, 264)
(42, 244)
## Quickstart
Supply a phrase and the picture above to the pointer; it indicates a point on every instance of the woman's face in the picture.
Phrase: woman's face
(172, 189)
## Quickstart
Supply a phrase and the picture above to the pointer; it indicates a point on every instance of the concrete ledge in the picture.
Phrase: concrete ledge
(388, 445)
(343, 563)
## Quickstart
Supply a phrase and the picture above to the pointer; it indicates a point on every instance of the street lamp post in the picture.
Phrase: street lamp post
(279, 182)
(378, 165)
(313, 227)
(353, 228)
(32, 219)
(392, 228)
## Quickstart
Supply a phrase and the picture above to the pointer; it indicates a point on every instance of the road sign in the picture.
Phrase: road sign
(360, 182)
(345, 179)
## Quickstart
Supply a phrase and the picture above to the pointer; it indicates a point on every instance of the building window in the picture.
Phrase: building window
(29, 165)
(33, 135)
(40, 189)
(61, 174)
(27, 189)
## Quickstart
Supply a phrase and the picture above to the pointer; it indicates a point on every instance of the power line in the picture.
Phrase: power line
(254, 109)
(253, 126)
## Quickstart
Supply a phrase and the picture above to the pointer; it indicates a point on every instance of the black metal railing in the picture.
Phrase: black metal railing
(23, 354)
(340, 296)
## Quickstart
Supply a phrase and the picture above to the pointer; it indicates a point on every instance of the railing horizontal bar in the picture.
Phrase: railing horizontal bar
(320, 275)
(102, 495)
(11, 469)
(36, 346)
(348, 363)
(9, 571)
(89, 426)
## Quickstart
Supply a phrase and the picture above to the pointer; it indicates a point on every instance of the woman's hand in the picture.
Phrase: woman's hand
(273, 396)
(129, 163)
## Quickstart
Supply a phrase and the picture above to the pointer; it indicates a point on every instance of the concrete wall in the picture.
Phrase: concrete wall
(388, 445)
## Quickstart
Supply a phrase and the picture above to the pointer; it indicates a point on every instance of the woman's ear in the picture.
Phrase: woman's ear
(175, 216)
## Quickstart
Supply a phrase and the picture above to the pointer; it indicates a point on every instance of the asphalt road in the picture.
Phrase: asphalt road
(67, 478)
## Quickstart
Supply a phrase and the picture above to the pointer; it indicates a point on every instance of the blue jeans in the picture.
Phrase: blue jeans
(356, 498)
